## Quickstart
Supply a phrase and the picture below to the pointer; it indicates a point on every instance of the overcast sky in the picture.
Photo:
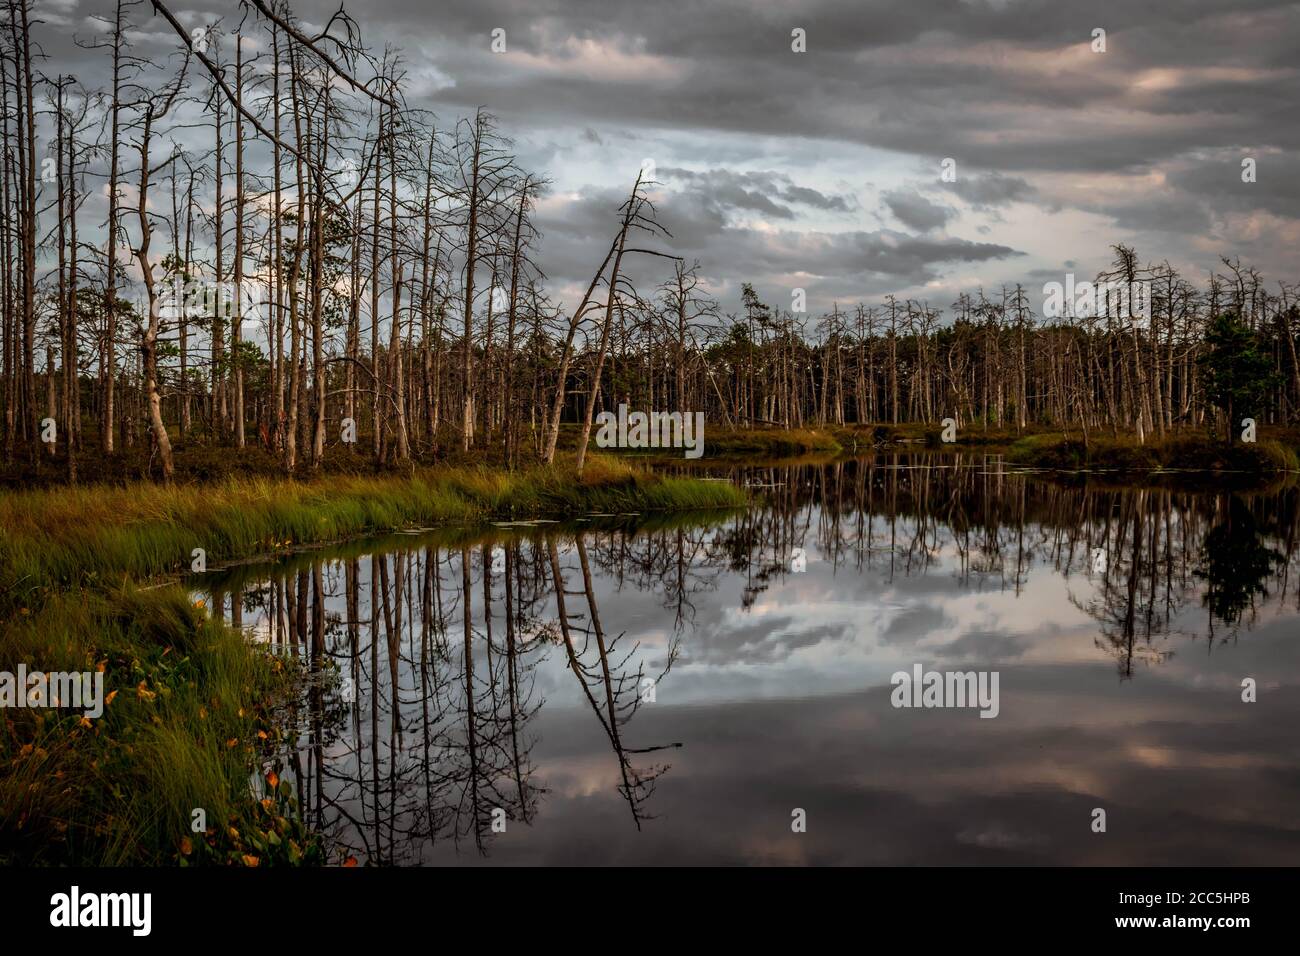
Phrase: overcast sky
(822, 169)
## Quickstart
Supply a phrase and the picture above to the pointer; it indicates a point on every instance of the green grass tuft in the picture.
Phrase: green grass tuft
(186, 702)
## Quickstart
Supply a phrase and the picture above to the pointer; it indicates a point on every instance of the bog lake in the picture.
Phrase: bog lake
(635, 689)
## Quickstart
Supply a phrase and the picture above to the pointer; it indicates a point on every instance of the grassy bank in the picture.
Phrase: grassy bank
(89, 536)
(923, 433)
(1277, 450)
(189, 701)
(769, 443)
(1126, 455)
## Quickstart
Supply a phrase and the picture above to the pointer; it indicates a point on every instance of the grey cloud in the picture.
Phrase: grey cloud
(919, 96)
(811, 197)
(991, 190)
(1215, 180)
(984, 646)
(915, 623)
(844, 264)
(756, 191)
(916, 212)
(1170, 212)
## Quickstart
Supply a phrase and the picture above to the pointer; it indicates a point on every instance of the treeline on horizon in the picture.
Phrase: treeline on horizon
(396, 252)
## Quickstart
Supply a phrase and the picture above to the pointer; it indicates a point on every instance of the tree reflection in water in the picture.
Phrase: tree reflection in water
(1236, 564)
(417, 727)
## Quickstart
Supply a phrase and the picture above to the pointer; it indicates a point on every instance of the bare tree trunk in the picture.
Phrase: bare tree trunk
(237, 319)
(633, 209)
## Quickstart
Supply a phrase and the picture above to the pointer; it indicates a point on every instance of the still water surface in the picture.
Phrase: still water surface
(624, 690)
